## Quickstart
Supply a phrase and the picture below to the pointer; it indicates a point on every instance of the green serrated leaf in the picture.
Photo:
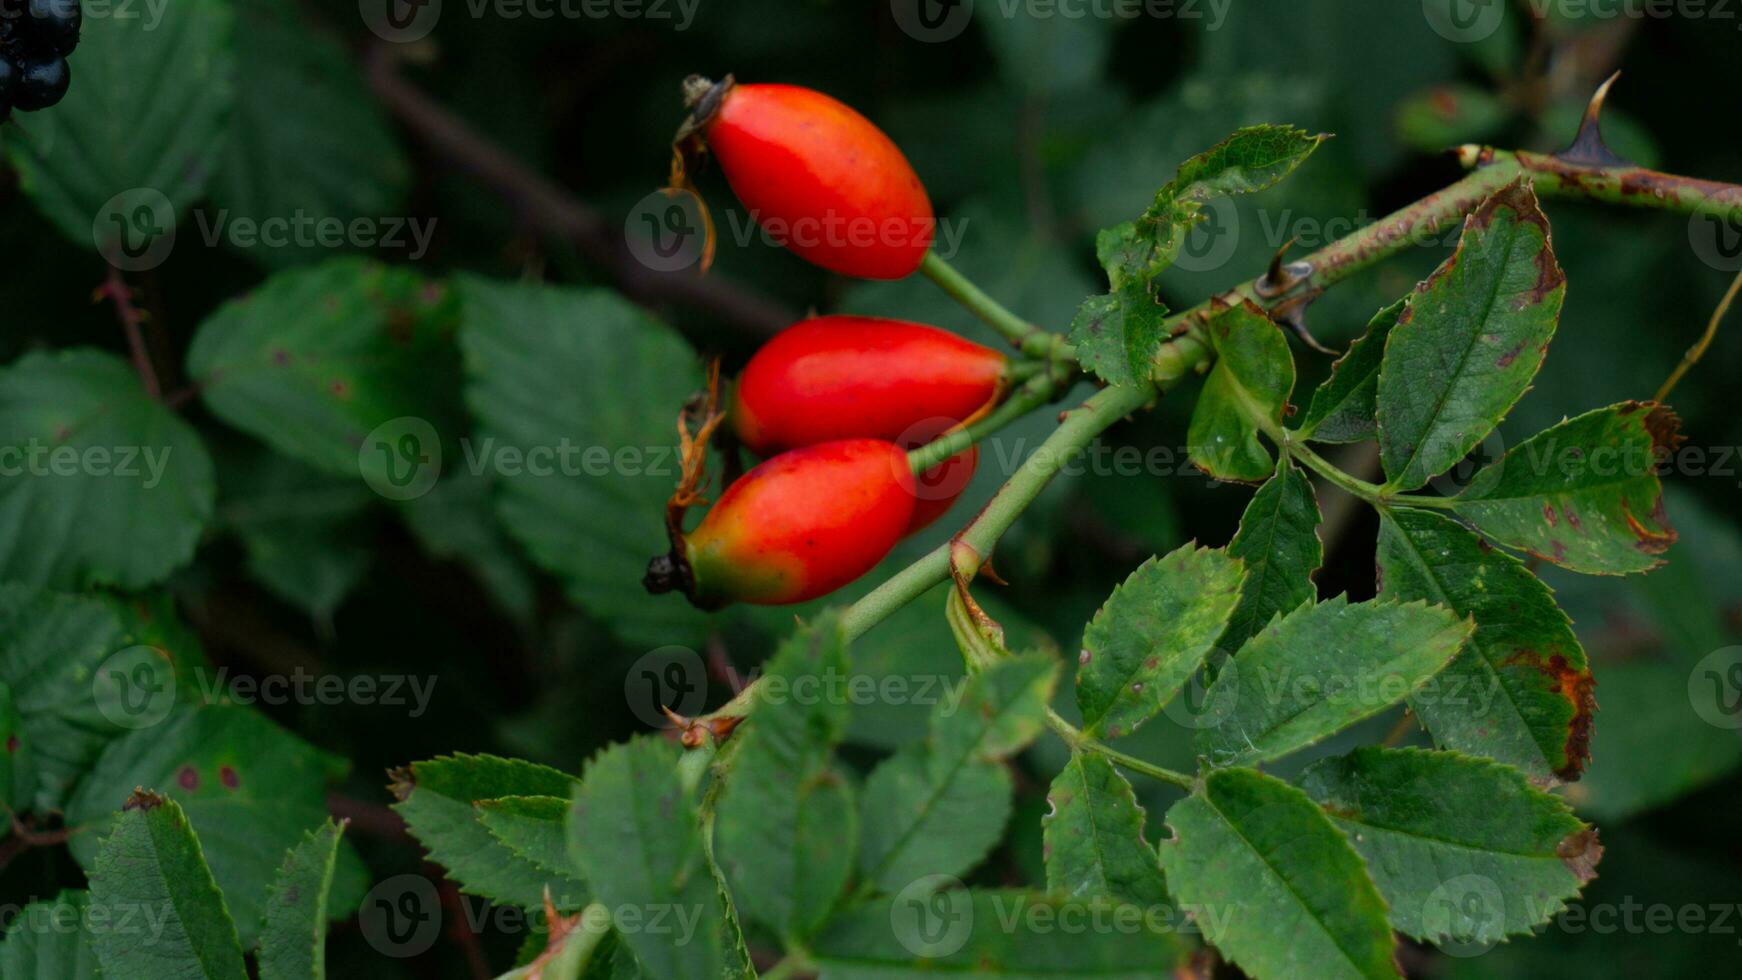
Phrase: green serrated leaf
(1154, 632)
(1521, 690)
(51, 940)
(1094, 837)
(634, 832)
(1279, 542)
(993, 934)
(1320, 669)
(318, 362)
(293, 937)
(86, 670)
(1251, 381)
(438, 800)
(309, 143)
(1278, 889)
(456, 521)
(144, 122)
(250, 788)
(107, 485)
(784, 824)
(1438, 828)
(299, 527)
(937, 807)
(1584, 494)
(1344, 408)
(1251, 159)
(1116, 335)
(150, 861)
(550, 367)
(534, 828)
(1471, 338)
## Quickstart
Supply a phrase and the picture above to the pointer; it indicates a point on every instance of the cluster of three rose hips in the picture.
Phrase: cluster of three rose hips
(832, 403)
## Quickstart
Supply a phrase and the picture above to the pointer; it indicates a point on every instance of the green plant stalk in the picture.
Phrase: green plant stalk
(1027, 337)
(1080, 425)
(1073, 736)
(1035, 392)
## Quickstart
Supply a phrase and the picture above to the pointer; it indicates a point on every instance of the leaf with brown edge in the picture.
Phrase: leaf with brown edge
(1462, 849)
(1521, 690)
(1584, 494)
(1470, 340)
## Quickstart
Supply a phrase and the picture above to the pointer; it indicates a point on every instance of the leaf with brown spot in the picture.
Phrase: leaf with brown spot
(1469, 342)
(1599, 471)
(1437, 826)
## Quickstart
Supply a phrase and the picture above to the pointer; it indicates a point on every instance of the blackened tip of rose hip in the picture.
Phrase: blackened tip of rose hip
(666, 573)
(703, 97)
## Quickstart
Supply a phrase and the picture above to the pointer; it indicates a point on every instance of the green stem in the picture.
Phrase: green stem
(794, 964)
(1076, 428)
(902, 588)
(1074, 737)
(1030, 339)
(1080, 425)
(1035, 392)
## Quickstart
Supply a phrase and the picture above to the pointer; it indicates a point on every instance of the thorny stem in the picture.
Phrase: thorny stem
(1027, 337)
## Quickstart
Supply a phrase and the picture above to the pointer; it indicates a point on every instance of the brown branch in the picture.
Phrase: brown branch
(553, 210)
(116, 290)
(371, 818)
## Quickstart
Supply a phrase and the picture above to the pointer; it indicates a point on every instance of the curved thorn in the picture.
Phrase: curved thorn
(1588, 148)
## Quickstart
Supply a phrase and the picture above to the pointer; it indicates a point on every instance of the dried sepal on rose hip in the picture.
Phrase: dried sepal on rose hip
(815, 174)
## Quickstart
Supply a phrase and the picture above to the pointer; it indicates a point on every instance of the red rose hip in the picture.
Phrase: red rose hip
(798, 526)
(837, 377)
(817, 175)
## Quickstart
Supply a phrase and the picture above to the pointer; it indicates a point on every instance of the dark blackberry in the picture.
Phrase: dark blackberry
(41, 83)
(8, 81)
